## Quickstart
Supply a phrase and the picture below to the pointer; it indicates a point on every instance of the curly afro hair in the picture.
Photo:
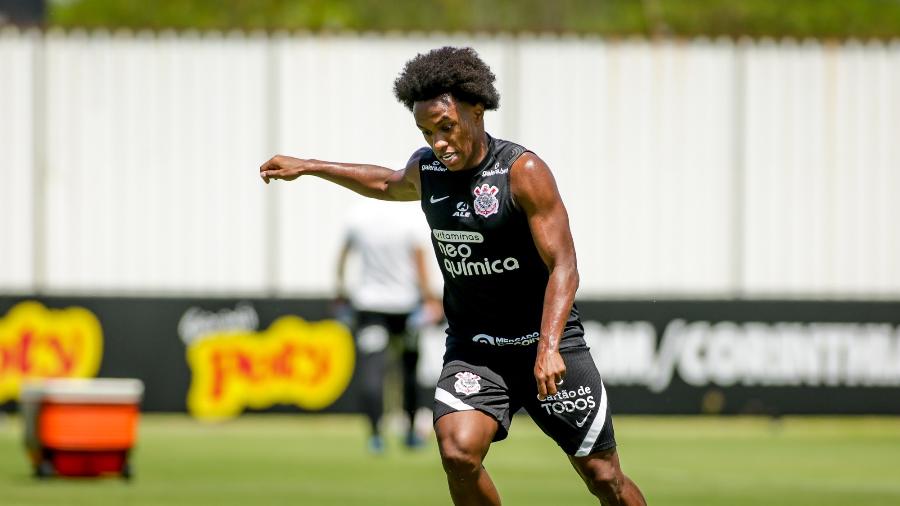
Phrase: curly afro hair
(457, 71)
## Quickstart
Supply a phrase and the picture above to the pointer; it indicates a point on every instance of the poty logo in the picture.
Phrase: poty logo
(292, 362)
(37, 342)
(486, 202)
(462, 210)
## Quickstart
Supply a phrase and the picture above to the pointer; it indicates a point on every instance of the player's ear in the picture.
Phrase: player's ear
(478, 111)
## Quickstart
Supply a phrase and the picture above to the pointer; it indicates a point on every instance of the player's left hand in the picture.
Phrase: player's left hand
(549, 371)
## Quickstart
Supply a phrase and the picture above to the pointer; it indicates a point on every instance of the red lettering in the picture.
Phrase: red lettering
(281, 363)
(320, 361)
(226, 362)
(246, 367)
(42, 343)
(218, 382)
(18, 358)
(66, 360)
(25, 343)
(7, 361)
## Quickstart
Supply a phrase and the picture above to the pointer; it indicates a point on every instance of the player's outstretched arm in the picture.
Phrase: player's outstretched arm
(368, 180)
(535, 191)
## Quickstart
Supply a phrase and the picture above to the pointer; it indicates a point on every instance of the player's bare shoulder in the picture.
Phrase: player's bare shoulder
(418, 157)
(532, 181)
(424, 160)
(405, 184)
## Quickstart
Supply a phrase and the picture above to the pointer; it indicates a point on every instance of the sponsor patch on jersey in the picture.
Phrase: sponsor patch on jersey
(526, 340)
(457, 236)
(434, 167)
(486, 202)
(495, 171)
(467, 383)
(462, 210)
(465, 267)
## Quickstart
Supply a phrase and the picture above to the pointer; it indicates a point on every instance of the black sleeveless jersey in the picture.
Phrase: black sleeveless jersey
(494, 278)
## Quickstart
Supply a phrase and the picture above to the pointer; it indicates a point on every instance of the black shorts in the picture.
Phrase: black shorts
(374, 330)
(499, 384)
(395, 323)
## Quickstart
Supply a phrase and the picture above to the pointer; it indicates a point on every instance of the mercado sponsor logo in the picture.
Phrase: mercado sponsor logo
(292, 362)
(37, 342)
(526, 340)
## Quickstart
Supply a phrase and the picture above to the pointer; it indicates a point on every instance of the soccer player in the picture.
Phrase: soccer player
(501, 235)
(391, 293)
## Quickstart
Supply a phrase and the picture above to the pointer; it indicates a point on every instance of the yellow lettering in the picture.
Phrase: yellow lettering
(292, 362)
(36, 342)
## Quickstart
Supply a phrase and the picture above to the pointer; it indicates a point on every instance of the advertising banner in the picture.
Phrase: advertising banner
(214, 358)
(754, 357)
(217, 358)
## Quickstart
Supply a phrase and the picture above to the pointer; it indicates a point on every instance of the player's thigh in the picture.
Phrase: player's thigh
(465, 387)
(465, 434)
(578, 417)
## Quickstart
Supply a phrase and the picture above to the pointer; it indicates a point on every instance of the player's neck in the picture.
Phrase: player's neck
(479, 151)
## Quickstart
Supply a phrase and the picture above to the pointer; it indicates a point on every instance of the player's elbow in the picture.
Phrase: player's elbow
(567, 273)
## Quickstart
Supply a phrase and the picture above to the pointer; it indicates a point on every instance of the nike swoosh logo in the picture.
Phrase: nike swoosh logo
(581, 423)
(435, 201)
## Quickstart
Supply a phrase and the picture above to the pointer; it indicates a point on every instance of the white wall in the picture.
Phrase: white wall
(693, 169)
(16, 162)
(639, 136)
(149, 143)
(822, 170)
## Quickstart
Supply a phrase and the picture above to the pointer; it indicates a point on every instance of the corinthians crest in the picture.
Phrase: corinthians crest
(486, 202)
(467, 383)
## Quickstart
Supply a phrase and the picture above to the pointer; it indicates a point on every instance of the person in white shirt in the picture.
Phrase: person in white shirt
(390, 300)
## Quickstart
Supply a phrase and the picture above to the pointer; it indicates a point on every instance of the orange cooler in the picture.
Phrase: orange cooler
(81, 427)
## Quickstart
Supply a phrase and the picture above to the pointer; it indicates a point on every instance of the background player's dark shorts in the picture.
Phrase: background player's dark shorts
(394, 323)
(373, 330)
(499, 383)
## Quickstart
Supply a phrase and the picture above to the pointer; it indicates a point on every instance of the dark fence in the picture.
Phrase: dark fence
(220, 357)
(23, 12)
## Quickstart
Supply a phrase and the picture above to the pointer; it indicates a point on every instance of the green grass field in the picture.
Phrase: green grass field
(320, 460)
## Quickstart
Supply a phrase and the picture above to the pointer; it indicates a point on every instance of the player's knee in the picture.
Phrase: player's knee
(460, 463)
(604, 479)
(460, 457)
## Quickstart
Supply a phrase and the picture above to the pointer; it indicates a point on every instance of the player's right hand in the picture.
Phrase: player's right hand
(281, 167)
(549, 371)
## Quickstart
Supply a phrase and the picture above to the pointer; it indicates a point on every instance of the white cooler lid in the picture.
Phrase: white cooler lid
(79, 390)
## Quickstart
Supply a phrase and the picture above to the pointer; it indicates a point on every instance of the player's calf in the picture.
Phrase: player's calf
(604, 478)
(463, 439)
